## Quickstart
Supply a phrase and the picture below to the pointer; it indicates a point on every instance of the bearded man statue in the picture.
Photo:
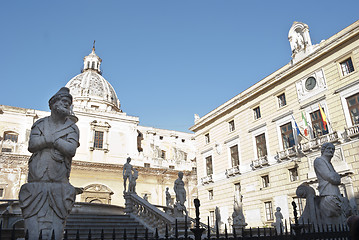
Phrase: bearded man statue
(47, 197)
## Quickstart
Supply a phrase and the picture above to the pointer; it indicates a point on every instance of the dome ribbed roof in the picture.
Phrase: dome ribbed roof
(89, 89)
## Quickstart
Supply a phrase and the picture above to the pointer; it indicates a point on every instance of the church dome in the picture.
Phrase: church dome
(90, 90)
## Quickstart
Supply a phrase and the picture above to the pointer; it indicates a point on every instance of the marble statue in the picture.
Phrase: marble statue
(238, 217)
(217, 214)
(132, 181)
(127, 173)
(333, 207)
(47, 197)
(278, 221)
(168, 197)
(180, 191)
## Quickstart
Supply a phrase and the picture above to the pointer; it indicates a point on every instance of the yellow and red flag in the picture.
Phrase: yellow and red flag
(324, 118)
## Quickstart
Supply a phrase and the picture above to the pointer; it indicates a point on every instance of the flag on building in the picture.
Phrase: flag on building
(296, 127)
(324, 118)
(305, 124)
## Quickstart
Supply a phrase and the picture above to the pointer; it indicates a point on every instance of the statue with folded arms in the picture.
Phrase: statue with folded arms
(47, 197)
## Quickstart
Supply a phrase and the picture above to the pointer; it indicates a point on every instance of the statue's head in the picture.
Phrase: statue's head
(180, 175)
(61, 102)
(328, 149)
(278, 209)
(167, 188)
(128, 160)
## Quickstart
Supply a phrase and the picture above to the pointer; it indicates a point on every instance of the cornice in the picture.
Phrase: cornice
(324, 47)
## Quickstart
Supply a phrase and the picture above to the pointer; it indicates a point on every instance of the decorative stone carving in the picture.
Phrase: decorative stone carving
(180, 191)
(46, 200)
(330, 207)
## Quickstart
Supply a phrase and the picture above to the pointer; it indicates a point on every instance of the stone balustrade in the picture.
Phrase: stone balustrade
(287, 153)
(233, 171)
(147, 214)
(352, 131)
(260, 162)
(207, 179)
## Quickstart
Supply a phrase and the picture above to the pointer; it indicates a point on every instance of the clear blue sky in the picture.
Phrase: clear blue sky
(166, 59)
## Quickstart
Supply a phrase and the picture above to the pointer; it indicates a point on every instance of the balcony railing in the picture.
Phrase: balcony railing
(352, 131)
(317, 142)
(260, 162)
(287, 153)
(207, 179)
(232, 171)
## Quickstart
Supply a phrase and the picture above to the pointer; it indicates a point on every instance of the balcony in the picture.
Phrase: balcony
(260, 162)
(352, 131)
(230, 172)
(207, 180)
(287, 153)
(317, 142)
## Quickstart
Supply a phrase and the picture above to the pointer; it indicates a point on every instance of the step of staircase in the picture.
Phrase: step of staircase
(83, 223)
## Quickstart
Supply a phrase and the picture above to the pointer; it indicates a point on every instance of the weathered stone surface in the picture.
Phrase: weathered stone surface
(46, 200)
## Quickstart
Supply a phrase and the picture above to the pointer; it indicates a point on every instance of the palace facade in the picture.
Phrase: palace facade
(249, 147)
(107, 137)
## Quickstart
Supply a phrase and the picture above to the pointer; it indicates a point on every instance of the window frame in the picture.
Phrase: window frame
(290, 172)
(265, 182)
(231, 126)
(356, 97)
(344, 94)
(345, 72)
(268, 209)
(319, 121)
(98, 139)
(255, 133)
(210, 194)
(280, 104)
(207, 138)
(289, 133)
(257, 113)
(211, 165)
(99, 127)
(261, 144)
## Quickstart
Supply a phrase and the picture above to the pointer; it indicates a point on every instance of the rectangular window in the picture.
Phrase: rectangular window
(257, 113)
(261, 145)
(207, 138)
(211, 218)
(209, 165)
(317, 124)
(353, 105)
(347, 66)
(231, 126)
(293, 174)
(210, 194)
(98, 140)
(10, 136)
(1, 192)
(234, 155)
(269, 211)
(300, 202)
(171, 167)
(163, 154)
(265, 181)
(281, 100)
(287, 135)
(147, 165)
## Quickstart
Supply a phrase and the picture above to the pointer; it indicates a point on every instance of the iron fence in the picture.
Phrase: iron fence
(297, 231)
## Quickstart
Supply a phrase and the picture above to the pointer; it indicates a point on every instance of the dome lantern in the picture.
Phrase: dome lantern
(92, 61)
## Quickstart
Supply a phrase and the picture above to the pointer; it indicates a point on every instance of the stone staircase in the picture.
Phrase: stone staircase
(83, 223)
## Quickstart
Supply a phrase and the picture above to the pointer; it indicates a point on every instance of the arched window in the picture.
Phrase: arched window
(93, 65)
(11, 136)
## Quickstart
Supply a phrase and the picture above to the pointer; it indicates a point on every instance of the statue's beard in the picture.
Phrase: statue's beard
(64, 112)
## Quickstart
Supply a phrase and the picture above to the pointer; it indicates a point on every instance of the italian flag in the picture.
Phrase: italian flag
(305, 124)
(324, 118)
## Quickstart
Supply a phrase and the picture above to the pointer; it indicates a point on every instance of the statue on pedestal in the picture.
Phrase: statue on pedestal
(46, 200)
(238, 217)
(168, 197)
(130, 174)
(278, 221)
(333, 207)
(180, 191)
(330, 207)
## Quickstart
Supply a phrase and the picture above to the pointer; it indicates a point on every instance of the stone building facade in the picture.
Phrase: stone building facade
(249, 145)
(107, 137)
